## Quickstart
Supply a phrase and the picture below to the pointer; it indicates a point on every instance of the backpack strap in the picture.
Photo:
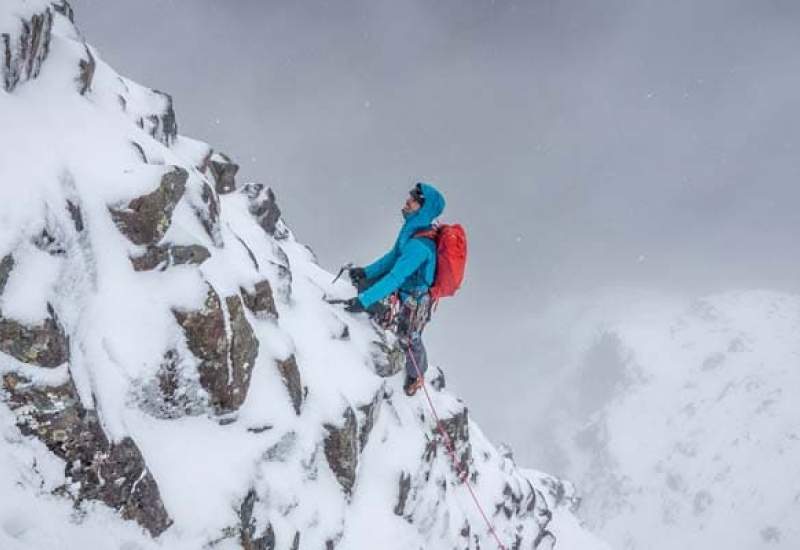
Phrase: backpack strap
(431, 233)
(427, 233)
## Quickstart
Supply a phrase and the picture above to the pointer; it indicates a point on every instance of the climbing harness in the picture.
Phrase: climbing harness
(461, 472)
(389, 320)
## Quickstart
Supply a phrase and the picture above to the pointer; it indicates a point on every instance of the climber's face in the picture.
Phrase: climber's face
(411, 206)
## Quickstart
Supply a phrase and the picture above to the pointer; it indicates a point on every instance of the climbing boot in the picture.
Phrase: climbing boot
(412, 385)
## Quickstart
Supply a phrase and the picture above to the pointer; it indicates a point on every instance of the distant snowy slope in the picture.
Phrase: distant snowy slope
(172, 376)
(699, 445)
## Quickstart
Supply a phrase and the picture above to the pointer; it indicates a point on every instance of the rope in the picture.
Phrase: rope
(451, 449)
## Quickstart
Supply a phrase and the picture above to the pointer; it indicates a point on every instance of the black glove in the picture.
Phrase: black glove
(377, 311)
(357, 275)
(354, 305)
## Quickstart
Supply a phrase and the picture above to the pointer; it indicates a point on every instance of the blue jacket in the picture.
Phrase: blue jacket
(410, 266)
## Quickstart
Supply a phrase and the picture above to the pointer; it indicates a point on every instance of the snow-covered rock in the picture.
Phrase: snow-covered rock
(698, 444)
(172, 376)
(25, 41)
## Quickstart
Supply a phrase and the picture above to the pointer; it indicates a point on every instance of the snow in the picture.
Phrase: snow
(34, 277)
(215, 461)
(65, 147)
(192, 150)
(12, 14)
(698, 448)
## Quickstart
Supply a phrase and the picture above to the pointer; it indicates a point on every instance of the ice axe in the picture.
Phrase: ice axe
(345, 267)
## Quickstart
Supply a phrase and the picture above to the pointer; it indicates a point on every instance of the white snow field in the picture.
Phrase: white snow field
(696, 445)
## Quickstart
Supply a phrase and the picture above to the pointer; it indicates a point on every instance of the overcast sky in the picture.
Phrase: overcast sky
(583, 144)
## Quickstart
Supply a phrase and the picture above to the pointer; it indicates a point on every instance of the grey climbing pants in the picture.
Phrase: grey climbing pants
(415, 312)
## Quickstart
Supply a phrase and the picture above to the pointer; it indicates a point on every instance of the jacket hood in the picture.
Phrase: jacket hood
(422, 218)
(434, 204)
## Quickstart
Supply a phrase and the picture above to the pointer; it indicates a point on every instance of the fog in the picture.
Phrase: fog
(583, 144)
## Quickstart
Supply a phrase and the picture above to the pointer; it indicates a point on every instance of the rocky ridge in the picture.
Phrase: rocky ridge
(164, 338)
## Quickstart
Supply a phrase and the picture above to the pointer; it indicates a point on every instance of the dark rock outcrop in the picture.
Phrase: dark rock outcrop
(260, 301)
(339, 329)
(466, 529)
(47, 242)
(133, 492)
(76, 215)
(247, 527)
(164, 256)
(404, 488)
(112, 473)
(290, 375)
(284, 283)
(263, 206)
(225, 363)
(63, 7)
(145, 219)
(342, 449)
(173, 393)
(282, 450)
(161, 124)
(562, 493)
(523, 502)
(25, 49)
(545, 540)
(6, 265)
(243, 350)
(387, 357)
(45, 345)
(207, 210)
(224, 172)
(438, 382)
(207, 340)
(512, 503)
(86, 75)
(457, 428)
(139, 151)
(369, 412)
(168, 129)
(259, 429)
(169, 379)
(520, 503)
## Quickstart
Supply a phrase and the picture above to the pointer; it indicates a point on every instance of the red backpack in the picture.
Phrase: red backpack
(451, 258)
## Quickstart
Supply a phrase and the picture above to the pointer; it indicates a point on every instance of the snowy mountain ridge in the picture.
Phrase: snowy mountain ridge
(171, 374)
(696, 444)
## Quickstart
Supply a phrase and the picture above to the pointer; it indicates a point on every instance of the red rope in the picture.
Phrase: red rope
(451, 449)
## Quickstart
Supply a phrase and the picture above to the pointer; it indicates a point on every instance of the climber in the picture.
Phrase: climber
(408, 270)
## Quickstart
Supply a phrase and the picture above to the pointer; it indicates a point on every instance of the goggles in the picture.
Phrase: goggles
(416, 194)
